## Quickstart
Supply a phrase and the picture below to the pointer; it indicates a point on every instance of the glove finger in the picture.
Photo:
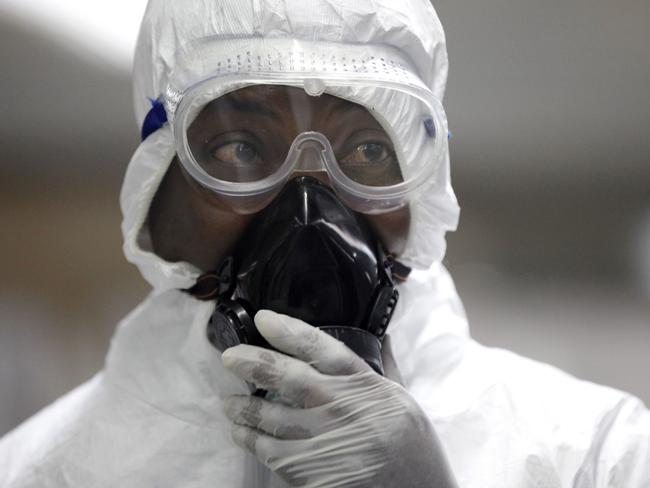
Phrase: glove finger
(273, 418)
(308, 462)
(325, 353)
(292, 379)
(269, 450)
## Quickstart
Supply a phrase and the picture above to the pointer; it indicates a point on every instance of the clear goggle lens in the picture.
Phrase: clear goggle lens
(247, 142)
(237, 139)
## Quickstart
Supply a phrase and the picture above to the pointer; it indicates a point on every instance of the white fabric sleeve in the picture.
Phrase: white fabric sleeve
(619, 456)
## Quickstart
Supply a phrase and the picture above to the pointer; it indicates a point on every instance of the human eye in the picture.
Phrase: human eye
(236, 153)
(371, 153)
(236, 156)
(368, 157)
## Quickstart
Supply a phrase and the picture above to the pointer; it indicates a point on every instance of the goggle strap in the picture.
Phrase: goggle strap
(155, 118)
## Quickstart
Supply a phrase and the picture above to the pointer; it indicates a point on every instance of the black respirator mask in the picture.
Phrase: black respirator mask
(308, 256)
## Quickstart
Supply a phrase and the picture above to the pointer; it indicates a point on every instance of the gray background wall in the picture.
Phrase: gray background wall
(551, 119)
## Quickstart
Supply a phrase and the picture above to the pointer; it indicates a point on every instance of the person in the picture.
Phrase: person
(280, 130)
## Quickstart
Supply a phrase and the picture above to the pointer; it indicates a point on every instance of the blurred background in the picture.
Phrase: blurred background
(550, 113)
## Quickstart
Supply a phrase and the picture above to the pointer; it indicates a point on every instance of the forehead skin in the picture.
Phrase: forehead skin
(189, 223)
(287, 111)
(289, 103)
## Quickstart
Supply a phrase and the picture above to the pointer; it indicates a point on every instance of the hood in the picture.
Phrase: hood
(171, 29)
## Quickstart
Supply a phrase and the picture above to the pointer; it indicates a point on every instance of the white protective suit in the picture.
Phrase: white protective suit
(153, 416)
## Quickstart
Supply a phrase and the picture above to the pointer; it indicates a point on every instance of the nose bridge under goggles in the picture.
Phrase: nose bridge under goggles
(311, 151)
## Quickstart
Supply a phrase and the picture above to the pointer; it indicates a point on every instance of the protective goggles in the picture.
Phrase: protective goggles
(368, 125)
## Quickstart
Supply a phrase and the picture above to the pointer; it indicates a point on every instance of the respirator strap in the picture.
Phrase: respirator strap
(399, 271)
(210, 285)
(213, 284)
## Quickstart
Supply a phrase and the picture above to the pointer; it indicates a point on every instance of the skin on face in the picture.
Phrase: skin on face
(246, 135)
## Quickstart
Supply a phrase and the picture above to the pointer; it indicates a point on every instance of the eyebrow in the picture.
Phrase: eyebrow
(251, 106)
(346, 106)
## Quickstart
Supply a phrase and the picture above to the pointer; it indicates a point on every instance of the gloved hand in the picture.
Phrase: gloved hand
(337, 422)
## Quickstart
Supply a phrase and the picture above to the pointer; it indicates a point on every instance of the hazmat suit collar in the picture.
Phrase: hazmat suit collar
(143, 177)
(160, 354)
